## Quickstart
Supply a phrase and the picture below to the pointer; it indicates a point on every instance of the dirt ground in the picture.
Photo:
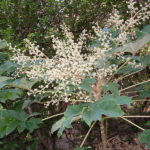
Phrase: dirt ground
(120, 136)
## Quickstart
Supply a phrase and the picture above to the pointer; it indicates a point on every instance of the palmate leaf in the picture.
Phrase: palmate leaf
(32, 124)
(146, 60)
(128, 69)
(131, 47)
(121, 100)
(111, 87)
(22, 83)
(144, 94)
(10, 120)
(5, 81)
(57, 125)
(86, 84)
(109, 105)
(10, 94)
(144, 137)
(144, 31)
(3, 56)
(8, 67)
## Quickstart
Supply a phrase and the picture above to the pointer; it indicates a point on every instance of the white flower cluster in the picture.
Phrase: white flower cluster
(136, 17)
(70, 65)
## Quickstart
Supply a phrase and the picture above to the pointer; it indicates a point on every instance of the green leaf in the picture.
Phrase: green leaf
(131, 47)
(148, 123)
(57, 125)
(75, 110)
(144, 137)
(8, 67)
(86, 84)
(26, 104)
(21, 126)
(11, 126)
(99, 108)
(88, 112)
(10, 94)
(146, 60)
(4, 56)
(11, 120)
(5, 81)
(118, 99)
(32, 124)
(144, 31)
(7, 126)
(3, 44)
(111, 87)
(144, 94)
(22, 83)
(108, 108)
(72, 114)
(128, 69)
(71, 88)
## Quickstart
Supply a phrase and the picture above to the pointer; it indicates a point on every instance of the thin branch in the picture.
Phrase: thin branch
(139, 116)
(142, 100)
(136, 116)
(117, 80)
(88, 133)
(133, 123)
(128, 92)
(134, 85)
(53, 116)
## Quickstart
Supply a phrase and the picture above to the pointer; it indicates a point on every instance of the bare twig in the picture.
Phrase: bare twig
(87, 134)
(122, 77)
(133, 123)
(53, 116)
(134, 85)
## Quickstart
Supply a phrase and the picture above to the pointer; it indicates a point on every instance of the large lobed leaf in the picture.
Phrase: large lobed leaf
(10, 94)
(22, 83)
(109, 105)
(132, 47)
(10, 120)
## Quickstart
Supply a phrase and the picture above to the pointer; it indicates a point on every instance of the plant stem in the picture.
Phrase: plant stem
(103, 134)
(53, 116)
(134, 85)
(133, 123)
(87, 134)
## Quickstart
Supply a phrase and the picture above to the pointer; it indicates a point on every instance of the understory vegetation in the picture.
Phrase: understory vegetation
(72, 73)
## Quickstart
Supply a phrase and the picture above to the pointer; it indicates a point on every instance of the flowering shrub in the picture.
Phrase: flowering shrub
(74, 76)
